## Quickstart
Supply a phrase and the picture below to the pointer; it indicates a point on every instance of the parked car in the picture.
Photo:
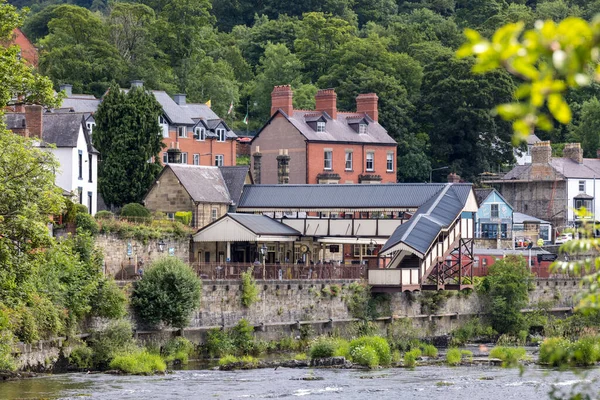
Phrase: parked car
(563, 238)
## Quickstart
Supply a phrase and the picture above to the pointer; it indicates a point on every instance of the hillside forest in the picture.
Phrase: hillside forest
(235, 51)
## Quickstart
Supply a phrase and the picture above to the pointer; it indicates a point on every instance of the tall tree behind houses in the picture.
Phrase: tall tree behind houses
(129, 139)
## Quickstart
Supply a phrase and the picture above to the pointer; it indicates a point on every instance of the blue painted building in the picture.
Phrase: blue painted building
(494, 215)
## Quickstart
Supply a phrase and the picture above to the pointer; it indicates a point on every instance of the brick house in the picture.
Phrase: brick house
(28, 51)
(324, 145)
(208, 192)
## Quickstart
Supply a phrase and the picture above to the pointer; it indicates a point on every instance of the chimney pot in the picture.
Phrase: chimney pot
(453, 178)
(326, 100)
(179, 99)
(282, 98)
(368, 103)
(67, 88)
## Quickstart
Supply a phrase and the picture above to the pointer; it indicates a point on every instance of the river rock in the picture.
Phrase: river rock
(339, 362)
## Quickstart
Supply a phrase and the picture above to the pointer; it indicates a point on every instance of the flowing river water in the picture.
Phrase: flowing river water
(424, 382)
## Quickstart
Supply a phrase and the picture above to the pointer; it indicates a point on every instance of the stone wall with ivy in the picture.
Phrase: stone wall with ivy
(119, 263)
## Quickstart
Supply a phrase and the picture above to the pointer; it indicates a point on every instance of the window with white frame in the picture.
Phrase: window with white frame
(320, 126)
(582, 186)
(196, 159)
(165, 158)
(494, 210)
(181, 132)
(199, 133)
(348, 166)
(390, 162)
(219, 160)
(214, 214)
(220, 135)
(184, 158)
(164, 125)
(362, 129)
(370, 161)
(327, 159)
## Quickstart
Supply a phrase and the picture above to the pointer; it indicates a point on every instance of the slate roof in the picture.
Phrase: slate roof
(564, 167)
(235, 178)
(356, 197)
(81, 103)
(519, 218)
(533, 139)
(481, 194)
(263, 225)
(336, 130)
(204, 184)
(172, 110)
(437, 213)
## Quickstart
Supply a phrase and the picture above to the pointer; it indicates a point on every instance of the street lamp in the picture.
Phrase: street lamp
(161, 245)
(263, 251)
(436, 169)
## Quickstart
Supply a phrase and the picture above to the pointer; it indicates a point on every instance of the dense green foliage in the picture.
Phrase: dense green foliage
(177, 349)
(510, 356)
(235, 51)
(138, 362)
(127, 135)
(249, 288)
(110, 301)
(560, 352)
(169, 293)
(506, 287)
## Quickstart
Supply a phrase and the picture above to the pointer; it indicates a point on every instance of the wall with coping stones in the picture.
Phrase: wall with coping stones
(117, 261)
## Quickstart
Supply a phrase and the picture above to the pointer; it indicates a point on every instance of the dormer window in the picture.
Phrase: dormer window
(362, 129)
(320, 126)
(181, 132)
(220, 135)
(164, 125)
(199, 133)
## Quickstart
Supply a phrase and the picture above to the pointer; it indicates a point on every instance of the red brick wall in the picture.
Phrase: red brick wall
(316, 166)
(207, 149)
(28, 50)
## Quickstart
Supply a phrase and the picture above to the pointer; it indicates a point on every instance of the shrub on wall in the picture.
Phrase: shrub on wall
(136, 212)
(111, 301)
(169, 292)
(104, 215)
(185, 217)
(249, 288)
(87, 223)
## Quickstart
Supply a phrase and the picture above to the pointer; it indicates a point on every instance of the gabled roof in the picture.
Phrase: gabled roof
(62, 130)
(336, 130)
(81, 103)
(481, 194)
(235, 178)
(563, 168)
(436, 214)
(263, 225)
(172, 110)
(340, 197)
(203, 184)
(520, 218)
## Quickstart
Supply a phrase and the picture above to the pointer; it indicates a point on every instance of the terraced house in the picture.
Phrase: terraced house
(323, 145)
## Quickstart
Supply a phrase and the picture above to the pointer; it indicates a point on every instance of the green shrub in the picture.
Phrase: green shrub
(115, 339)
(249, 361)
(105, 214)
(7, 361)
(365, 355)
(136, 213)
(471, 329)
(169, 293)
(87, 223)
(429, 350)
(218, 343)
(242, 337)
(249, 288)
(335, 290)
(27, 330)
(185, 217)
(139, 363)
(585, 351)
(410, 357)
(555, 352)
(402, 336)
(322, 347)
(49, 318)
(110, 301)
(300, 357)
(453, 356)
(72, 209)
(179, 349)
(227, 360)
(342, 348)
(468, 354)
(510, 356)
(379, 344)
(81, 357)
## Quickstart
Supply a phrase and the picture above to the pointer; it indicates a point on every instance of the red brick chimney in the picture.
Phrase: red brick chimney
(326, 100)
(281, 98)
(33, 119)
(367, 103)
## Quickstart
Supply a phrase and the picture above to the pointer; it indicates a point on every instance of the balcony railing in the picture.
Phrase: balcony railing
(218, 271)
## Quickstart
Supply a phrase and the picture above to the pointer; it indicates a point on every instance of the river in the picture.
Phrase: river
(425, 382)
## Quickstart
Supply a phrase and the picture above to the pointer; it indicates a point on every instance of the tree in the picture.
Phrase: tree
(507, 289)
(77, 51)
(129, 139)
(588, 130)
(169, 292)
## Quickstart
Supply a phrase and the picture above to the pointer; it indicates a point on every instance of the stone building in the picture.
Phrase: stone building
(551, 188)
(207, 192)
(323, 145)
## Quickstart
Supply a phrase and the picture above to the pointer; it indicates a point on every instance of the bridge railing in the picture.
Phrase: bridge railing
(218, 271)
